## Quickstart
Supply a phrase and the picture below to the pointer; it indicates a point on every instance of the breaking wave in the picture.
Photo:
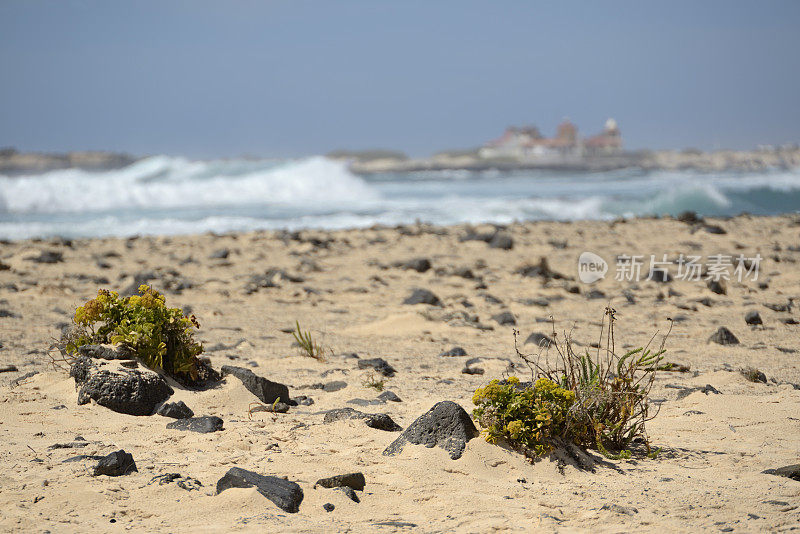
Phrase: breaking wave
(168, 195)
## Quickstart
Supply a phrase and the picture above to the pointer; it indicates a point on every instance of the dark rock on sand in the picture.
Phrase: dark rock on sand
(502, 241)
(8, 369)
(287, 495)
(717, 286)
(381, 421)
(203, 425)
(789, 471)
(47, 256)
(9, 314)
(714, 229)
(328, 507)
(301, 400)
(329, 387)
(723, 336)
(472, 370)
(267, 391)
(541, 269)
(447, 425)
(176, 410)
(505, 318)
(417, 264)
(659, 275)
(116, 464)
(220, 254)
(423, 296)
(685, 392)
(104, 352)
(355, 481)
(463, 272)
(378, 364)
(129, 391)
(539, 339)
(389, 396)
(455, 351)
(351, 494)
(595, 294)
(753, 318)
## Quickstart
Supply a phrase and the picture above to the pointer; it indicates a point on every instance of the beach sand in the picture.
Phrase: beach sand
(343, 288)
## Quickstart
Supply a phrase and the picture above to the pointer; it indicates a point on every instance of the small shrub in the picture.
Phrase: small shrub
(160, 337)
(754, 375)
(371, 382)
(595, 401)
(308, 346)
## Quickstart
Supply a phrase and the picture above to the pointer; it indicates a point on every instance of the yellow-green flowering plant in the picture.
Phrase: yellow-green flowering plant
(160, 337)
(597, 401)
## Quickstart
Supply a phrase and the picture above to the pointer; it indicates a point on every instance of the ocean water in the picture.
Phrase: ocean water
(169, 195)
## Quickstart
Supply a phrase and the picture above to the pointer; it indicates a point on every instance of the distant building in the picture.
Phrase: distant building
(527, 143)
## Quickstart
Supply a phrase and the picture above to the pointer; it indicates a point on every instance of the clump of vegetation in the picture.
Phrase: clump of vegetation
(308, 347)
(160, 337)
(371, 382)
(597, 401)
(754, 375)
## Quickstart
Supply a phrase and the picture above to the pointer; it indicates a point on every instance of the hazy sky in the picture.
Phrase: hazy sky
(297, 77)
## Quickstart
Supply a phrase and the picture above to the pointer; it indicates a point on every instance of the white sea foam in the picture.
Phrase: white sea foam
(164, 182)
(167, 195)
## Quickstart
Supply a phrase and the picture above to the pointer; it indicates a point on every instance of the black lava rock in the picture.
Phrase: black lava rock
(723, 336)
(390, 396)
(717, 286)
(447, 425)
(220, 254)
(115, 464)
(379, 364)
(351, 494)
(104, 352)
(336, 385)
(47, 256)
(203, 425)
(380, 421)
(286, 495)
(502, 241)
(423, 296)
(789, 471)
(595, 294)
(417, 264)
(129, 391)
(455, 351)
(350, 480)
(539, 339)
(328, 507)
(505, 318)
(267, 391)
(753, 317)
(176, 410)
(659, 275)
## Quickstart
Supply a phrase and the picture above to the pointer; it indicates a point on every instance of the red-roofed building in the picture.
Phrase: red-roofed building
(528, 144)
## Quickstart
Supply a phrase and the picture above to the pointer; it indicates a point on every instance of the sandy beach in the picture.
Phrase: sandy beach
(347, 288)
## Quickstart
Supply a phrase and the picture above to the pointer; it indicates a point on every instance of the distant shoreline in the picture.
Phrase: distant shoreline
(16, 163)
(669, 160)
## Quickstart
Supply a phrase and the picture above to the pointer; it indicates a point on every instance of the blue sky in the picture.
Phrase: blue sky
(297, 77)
